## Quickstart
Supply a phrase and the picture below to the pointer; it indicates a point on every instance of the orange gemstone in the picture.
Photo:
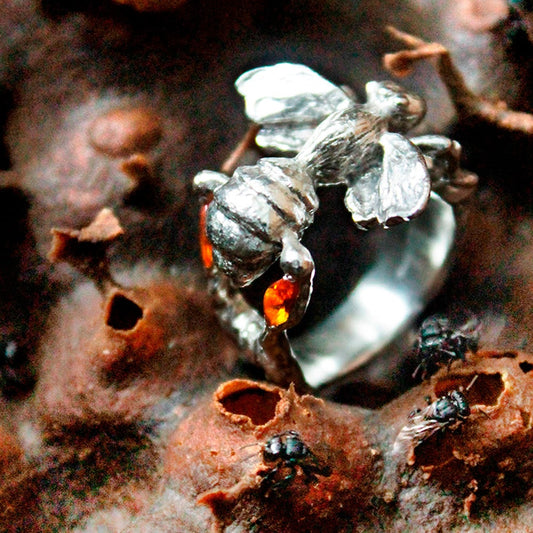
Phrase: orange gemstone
(279, 300)
(206, 248)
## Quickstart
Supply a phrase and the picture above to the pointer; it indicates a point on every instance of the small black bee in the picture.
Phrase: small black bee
(287, 450)
(450, 409)
(440, 343)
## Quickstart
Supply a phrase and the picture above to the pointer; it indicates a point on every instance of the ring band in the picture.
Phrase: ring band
(410, 269)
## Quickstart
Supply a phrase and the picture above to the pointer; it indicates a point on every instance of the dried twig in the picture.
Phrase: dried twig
(467, 103)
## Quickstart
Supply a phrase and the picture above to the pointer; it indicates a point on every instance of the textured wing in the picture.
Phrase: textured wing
(362, 198)
(289, 101)
(397, 190)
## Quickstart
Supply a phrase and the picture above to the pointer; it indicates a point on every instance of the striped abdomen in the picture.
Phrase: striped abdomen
(250, 213)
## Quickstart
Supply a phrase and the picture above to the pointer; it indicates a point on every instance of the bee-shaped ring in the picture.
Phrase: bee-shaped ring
(258, 215)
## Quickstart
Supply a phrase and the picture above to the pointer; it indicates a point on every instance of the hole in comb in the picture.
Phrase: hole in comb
(525, 367)
(252, 401)
(486, 390)
(123, 313)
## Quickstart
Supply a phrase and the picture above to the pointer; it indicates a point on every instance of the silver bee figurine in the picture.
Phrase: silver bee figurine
(259, 214)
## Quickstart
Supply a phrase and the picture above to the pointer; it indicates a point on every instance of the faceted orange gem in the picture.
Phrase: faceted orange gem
(279, 300)
(206, 248)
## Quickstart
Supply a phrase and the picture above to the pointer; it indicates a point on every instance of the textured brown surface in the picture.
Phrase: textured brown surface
(113, 356)
(460, 477)
(216, 455)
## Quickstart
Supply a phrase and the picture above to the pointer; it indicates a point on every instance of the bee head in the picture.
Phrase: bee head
(403, 109)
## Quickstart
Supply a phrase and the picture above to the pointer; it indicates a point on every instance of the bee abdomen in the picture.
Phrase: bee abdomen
(237, 249)
(265, 200)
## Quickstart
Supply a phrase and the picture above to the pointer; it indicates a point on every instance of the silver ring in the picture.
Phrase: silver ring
(412, 264)
(258, 215)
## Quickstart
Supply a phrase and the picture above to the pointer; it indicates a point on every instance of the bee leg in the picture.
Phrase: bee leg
(207, 181)
(282, 484)
(296, 262)
(281, 365)
(232, 162)
(266, 347)
(442, 157)
(266, 481)
(417, 370)
(325, 471)
(269, 485)
(278, 361)
(317, 467)
(310, 472)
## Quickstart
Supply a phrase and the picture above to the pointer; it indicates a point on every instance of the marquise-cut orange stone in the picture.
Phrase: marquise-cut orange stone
(279, 300)
(206, 248)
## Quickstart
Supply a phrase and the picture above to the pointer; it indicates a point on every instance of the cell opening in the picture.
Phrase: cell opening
(485, 390)
(254, 402)
(525, 367)
(123, 313)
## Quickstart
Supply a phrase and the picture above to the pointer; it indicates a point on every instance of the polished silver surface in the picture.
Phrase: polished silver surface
(411, 266)
(256, 214)
(264, 208)
(397, 189)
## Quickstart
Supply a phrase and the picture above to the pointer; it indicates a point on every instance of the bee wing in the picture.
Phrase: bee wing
(435, 325)
(418, 429)
(288, 100)
(398, 189)
(362, 199)
(422, 431)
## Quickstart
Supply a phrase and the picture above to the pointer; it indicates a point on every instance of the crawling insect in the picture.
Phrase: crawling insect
(259, 214)
(441, 343)
(448, 410)
(288, 451)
